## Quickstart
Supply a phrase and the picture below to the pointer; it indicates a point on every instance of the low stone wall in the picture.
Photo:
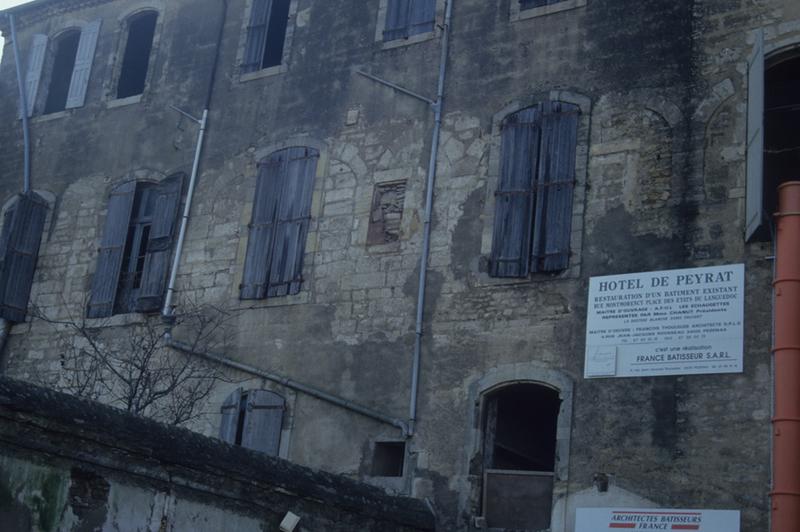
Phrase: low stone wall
(70, 464)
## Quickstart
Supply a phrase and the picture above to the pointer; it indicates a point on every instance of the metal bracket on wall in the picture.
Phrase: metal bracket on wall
(398, 88)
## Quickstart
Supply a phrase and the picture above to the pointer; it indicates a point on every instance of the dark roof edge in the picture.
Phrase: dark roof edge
(38, 10)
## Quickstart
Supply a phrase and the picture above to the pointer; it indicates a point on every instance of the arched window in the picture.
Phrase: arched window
(519, 455)
(65, 52)
(136, 59)
(136, 247)
(279, 226)
(253, 419)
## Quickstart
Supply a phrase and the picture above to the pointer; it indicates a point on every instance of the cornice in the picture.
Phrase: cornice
(34, 12)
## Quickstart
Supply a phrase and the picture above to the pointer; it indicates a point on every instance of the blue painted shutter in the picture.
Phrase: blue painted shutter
(256, 41)
(33, 75)
(397, 20)
(262, 226)
(554, 188)
(263, 421)
(112, 246)
(292, 220)
(511, 240)
(422, 17)
(21, 236)
(159, 243)
(83, 65)
(230, 417)
(754, 201)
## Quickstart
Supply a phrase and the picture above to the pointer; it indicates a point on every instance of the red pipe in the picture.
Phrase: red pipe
(786, 421)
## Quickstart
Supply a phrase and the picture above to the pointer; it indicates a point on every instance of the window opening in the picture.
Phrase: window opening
(133, 259)
(388, 459)
(530, 4)
(519, 455)
(406, 18)
(266, 34)
(61, 74)
(136, 60)
(240, 419)
(781, 132)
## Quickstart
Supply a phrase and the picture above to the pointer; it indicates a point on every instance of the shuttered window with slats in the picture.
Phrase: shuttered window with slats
(405, 18)
(533, 201)
(253, 419)
(266, 34)
(279, 226)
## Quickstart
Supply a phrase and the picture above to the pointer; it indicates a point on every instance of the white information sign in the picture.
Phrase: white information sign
(611, 519)
(674, 322)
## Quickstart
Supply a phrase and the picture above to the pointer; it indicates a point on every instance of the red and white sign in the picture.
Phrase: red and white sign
(621, 519)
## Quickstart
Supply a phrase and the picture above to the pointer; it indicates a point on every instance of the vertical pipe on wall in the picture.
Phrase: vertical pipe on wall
(426, 237)
(786, 348)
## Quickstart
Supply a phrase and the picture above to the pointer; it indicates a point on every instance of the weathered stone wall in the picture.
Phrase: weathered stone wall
(662, 89)
(67, 464)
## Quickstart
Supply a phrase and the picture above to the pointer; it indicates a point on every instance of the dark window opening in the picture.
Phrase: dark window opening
(388, 459)
(133, 258)
(781, 133)
(266, 34)
(530, 4)
(136, 61)
(61, 75)
(276, 33)
(240, 420)
(519, 456)
(386, 215)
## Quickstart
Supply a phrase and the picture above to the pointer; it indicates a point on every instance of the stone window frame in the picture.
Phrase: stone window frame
(584, 103)
(414, 39)
(312, 240)
(291, 26)
(121, 38)
(517, 13)
(526, 373)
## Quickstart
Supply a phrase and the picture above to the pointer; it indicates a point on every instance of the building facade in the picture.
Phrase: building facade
(578, 138)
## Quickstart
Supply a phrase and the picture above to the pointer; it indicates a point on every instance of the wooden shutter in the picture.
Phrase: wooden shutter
(262, 226)
(34, 73)
(109, 258)
(159, 243)
(397, 20)
(754, 202)
(20, 245)
(230, 417)
(292, 221)
(555, 182)
(256, 35)
(262, 422)
(84, 58)
(422, 16)
(511, 241)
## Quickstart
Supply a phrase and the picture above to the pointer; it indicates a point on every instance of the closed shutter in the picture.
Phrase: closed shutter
(423, 14)
(263, 421)
(33, 75)
(159, 244)
(83, 65)
(552, 223)
(292, 221)
(511, 241)
(397, 20)
(262, 226)
(230, 417)
(256, 35)
(109, 258)
(754, 202)
(20, 252)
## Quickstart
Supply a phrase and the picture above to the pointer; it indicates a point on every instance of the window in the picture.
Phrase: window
(530, 4)
(134, 256)
(533, 201)
(523, 9)
(387, 213)
(266, 34)
(279, 226)
(388, 459)
(23, 224)
(405, 18)
(519, 456)
(773, 138)
(136, 60)
(70, 66)
(253, 419)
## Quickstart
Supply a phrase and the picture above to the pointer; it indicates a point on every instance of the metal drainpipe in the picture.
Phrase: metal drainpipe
(426, 237)
(5, 325)
(168, 311)
(786, 348)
